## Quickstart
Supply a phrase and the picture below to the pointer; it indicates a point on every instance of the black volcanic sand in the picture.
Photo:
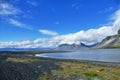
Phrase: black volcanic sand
(25, 66)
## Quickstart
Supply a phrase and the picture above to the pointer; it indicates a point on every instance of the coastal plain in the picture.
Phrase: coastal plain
(25, 65)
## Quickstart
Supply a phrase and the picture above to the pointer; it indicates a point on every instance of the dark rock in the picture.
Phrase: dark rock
(10, 70)
(119, 31)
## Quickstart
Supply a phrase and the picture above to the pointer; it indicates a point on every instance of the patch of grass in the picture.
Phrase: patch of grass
(113, 47)
(45, 77)
(101, 70)
(22, 60)
(91, 74)
(73, 69)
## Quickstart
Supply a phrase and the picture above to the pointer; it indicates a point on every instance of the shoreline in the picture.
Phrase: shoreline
(33, 53)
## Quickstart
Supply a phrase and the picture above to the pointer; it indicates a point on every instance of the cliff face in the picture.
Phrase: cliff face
(110, 42)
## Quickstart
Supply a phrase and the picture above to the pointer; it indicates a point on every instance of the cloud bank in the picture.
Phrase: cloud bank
(90, 36)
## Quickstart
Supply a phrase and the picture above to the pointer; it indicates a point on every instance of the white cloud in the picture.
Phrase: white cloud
(116, 24)
(8, 9)
(18, 24)
(90, 36)
(109, 9)
(32, 2)
(48, 32)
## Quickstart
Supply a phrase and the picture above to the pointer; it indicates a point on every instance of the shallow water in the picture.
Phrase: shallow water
(106, 55)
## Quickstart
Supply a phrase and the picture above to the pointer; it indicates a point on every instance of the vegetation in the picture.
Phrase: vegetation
(84, 71)
(22, 60)
(112, 47)
(115, 47)
(90, 74)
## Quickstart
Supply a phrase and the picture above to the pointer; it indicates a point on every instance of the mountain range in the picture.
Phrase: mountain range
(109, 42)
(74, 46)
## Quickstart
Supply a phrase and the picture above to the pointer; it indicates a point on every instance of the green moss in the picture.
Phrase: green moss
(116, 46)
(90, 74)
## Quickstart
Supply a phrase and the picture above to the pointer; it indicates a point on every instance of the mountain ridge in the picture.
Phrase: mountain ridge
(110, 42)
(73, 46)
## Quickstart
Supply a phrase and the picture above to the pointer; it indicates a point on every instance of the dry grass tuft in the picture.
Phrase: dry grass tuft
(22, 60)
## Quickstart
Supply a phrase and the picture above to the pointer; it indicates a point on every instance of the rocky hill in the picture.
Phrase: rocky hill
(110, 42)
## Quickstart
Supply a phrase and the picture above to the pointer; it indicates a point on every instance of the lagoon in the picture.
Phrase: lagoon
(105, 55)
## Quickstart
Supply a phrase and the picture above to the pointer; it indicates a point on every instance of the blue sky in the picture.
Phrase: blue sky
(45, 19)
